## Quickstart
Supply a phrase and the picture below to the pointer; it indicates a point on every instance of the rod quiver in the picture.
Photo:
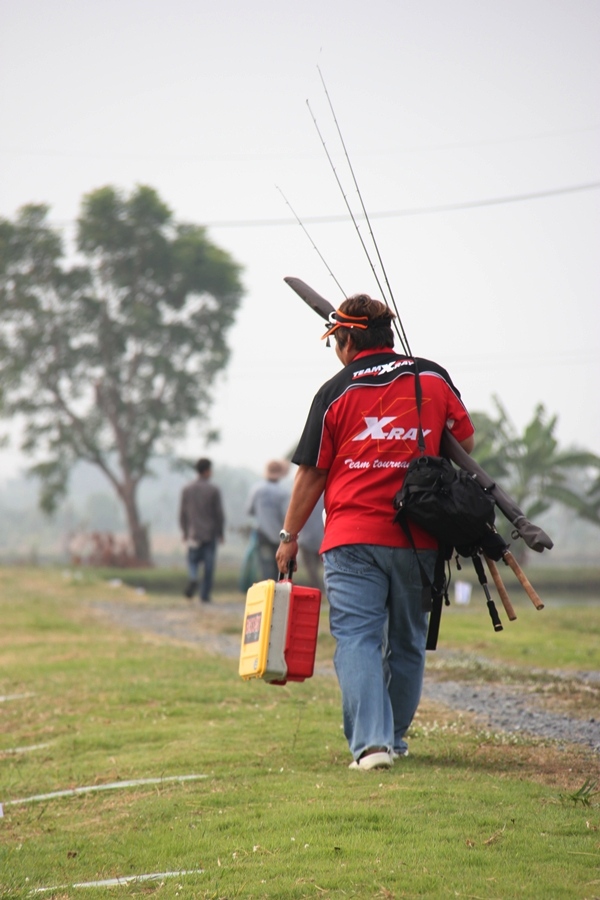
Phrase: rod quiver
(534, 536)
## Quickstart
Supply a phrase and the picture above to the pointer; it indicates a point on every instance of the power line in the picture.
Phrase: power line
(389, 214)
(416, 211)
(483, 142)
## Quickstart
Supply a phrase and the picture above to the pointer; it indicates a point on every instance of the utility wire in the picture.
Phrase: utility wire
(392, 214)
(414, 211)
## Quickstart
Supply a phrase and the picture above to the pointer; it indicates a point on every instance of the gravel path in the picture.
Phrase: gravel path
(514, 710)
(510, 708)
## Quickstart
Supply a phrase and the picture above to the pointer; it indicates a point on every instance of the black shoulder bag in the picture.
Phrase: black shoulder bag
(448, 504)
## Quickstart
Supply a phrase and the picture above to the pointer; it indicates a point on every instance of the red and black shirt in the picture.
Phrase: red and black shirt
(362, 427)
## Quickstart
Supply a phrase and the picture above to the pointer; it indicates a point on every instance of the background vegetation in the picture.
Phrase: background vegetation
(110, 355)
(110, 358)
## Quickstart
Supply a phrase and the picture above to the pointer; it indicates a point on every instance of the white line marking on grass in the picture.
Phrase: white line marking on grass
(7, 697)
(114, 785)
(112, 882)
(24, 749)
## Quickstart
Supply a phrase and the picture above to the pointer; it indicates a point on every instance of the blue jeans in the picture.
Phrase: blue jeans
(380, 629)
(206, 554)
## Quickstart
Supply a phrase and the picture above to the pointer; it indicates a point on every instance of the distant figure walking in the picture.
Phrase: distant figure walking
(202, 524)
(267, 504)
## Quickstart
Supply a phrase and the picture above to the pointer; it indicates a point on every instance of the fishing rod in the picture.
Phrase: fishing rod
(399, 327)
(301, 224)
(399, 330)
(346, 201)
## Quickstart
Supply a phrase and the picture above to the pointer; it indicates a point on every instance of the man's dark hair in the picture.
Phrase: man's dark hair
(203, 465)
(379, 332)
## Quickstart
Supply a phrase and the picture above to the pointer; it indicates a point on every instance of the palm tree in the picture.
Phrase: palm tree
(533, 469)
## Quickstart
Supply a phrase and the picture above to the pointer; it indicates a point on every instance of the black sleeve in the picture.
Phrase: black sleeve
(307, 451)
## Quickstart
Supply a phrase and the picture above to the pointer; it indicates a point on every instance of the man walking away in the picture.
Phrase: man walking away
(360, 435)
(202, 524)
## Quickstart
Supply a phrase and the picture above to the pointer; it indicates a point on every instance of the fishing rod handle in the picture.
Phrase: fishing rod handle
(494, 615)
(502, 593)
(529, 590)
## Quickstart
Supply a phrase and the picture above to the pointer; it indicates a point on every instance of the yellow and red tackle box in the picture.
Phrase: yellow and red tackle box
(279, 638)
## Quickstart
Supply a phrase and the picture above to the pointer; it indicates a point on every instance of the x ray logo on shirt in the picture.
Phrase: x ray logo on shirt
(375, 430)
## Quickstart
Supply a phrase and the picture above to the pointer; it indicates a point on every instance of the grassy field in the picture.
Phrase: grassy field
(273, 811)
(574, 579)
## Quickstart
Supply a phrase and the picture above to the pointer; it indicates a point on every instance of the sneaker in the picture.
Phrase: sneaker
(398, 753)
(372, 759)
(190, 589)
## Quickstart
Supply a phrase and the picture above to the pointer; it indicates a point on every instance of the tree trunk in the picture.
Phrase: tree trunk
(137, 531)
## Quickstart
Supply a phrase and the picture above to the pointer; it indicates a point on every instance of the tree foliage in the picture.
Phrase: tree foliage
(532, 468)
(108, 359)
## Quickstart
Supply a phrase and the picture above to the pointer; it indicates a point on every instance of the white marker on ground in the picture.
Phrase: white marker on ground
(112, 882)
(114, 785)
(6, 697)
(24, 749)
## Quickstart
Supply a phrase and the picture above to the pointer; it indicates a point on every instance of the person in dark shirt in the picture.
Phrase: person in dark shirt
(202, 525)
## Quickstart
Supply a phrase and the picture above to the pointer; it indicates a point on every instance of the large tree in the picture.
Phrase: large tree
(108, 357)
(532, 467)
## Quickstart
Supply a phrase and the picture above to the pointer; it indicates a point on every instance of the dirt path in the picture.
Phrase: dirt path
(539, 705)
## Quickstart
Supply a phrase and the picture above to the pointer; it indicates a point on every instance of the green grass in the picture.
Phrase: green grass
(563, 637)
(161, 580)
(279, 814)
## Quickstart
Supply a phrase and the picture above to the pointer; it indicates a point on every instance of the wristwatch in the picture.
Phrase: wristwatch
(286, 537)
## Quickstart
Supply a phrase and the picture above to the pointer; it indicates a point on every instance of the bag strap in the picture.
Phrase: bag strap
(431, 596)
(426, 585)
(419, 398)
(439, 596)
(433, 593)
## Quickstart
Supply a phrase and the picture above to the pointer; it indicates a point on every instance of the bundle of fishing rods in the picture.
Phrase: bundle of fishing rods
(534, 536)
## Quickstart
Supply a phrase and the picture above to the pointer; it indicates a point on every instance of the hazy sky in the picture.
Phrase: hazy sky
(441, 104)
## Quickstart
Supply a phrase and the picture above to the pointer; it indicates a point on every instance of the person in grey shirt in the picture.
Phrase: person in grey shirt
(309, 543)
(267, 504)
(202, 524)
